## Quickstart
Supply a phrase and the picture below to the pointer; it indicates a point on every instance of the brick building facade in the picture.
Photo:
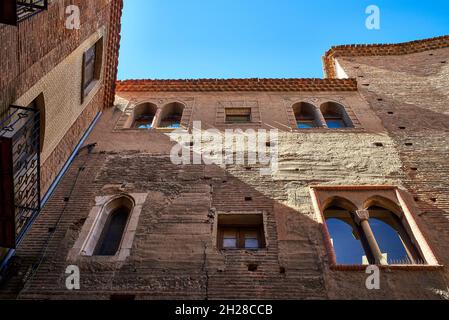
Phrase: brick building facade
(369, 141)
(43, 68)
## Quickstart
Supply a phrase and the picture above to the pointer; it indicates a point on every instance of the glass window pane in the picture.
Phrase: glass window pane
(251, 243)
(389, 241)
(348, 249)
(306, 125)
(229, 243)
(112, 234)
(335, 124)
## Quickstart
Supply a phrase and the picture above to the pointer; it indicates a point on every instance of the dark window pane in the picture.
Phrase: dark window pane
(347, 248)
(238, 119)
(89, 72)
(112, 234)
(389, 241)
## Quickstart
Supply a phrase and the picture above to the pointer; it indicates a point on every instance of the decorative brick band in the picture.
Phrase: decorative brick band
(380, 50)
(113, 47)
(205, 85)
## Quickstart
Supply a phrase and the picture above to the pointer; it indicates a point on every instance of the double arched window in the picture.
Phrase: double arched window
(149, 116)
(374, 235)
(330, 115)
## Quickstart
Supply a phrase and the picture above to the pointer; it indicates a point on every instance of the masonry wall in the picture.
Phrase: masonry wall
(174, 253)
(42, 56)
(410, 94)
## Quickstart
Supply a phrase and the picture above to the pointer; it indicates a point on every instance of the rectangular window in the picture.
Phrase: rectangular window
(92, 61)
(238, 115)
(241, 232)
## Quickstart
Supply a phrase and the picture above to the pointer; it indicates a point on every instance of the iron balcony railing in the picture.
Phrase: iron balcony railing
(14, 11)
(19, 173)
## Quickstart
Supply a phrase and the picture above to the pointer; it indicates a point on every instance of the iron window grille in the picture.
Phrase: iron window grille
(20, 200)
(12, 12)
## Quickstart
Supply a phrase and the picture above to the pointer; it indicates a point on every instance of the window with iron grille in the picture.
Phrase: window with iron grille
(19, 173)
(14, 11)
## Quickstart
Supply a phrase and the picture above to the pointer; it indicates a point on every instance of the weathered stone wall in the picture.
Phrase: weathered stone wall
(174, 253)
(410, 94)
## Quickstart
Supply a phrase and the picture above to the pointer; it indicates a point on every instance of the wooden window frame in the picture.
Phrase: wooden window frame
(240, 231)
(86, 88)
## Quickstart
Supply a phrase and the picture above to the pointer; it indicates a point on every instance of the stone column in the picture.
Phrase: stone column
(157, 118)
(362, 217)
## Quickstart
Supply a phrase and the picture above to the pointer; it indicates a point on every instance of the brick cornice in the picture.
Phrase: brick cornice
(208, 85)
(380, 50)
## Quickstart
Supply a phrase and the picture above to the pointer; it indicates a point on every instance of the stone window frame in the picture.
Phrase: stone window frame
(349, 117)
(85, 244)
(408, 220)
(222, 106)
(126, 120)
(215, 230)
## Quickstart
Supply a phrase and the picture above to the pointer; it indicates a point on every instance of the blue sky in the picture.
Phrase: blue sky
(178, 39)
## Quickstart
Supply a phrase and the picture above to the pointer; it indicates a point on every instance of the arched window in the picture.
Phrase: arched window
(306, 116)
(390, 234)
(348, 241)
(171, 116)
(144, 115)
(112, 234)
(110, 228)
(335, 116)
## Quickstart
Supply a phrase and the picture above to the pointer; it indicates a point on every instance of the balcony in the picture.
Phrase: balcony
(19, 173)
(14, 11)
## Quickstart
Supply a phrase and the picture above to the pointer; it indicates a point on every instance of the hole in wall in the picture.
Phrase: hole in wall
(433, 199)
(409, 144)
(378, 144)
(390, 112)
(402, 128)
(416, 199)
(248, 199)
(252, 267)
(51, 230)
(282, 270)
(414, 169)
(66, 199)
